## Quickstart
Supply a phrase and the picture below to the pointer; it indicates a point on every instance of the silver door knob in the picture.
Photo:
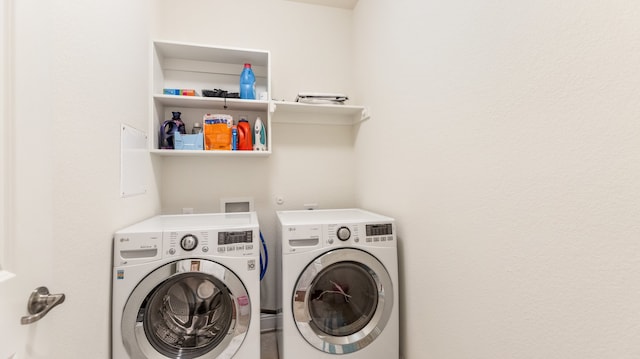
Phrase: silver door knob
(40, 303)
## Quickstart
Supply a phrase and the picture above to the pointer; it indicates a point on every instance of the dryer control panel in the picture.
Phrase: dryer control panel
(360, 234)
(380, 232)
(302, 238)
(343, 233)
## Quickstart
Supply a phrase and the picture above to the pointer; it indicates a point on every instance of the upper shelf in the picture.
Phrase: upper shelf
(216, 103)
(332, 114)
(203, 53)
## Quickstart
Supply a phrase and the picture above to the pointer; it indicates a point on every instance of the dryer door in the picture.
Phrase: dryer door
(342, 301)
(192, 308)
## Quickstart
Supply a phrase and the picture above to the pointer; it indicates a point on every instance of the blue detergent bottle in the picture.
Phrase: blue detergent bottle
(247, 83)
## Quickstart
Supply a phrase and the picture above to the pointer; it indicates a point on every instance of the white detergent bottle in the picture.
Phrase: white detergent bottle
(259, 136)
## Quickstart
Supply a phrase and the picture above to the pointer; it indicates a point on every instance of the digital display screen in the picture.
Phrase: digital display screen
(235, 237)
(379, 229)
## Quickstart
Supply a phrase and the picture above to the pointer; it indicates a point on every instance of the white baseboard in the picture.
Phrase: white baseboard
(267, 322)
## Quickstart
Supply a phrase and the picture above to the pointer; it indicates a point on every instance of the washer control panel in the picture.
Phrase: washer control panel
(209, 242)
(236, 241)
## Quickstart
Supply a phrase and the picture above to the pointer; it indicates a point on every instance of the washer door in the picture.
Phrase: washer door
(192, 308)
(342, 301)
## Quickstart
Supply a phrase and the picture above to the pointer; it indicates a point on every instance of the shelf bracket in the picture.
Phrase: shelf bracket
(365, 114)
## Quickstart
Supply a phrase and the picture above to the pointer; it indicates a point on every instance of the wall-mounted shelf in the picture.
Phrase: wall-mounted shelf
(191, 66)
(322, 114)
(214, 103)
(188, 153)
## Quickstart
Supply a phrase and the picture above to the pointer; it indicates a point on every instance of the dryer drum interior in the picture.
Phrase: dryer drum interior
(342, 301)
(186, 309)
(343, 298)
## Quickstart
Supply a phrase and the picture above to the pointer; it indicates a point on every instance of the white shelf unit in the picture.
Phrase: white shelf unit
(319, 114)
(198, 67)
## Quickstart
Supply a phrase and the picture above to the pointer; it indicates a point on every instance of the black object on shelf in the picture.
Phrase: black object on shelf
(220, 93)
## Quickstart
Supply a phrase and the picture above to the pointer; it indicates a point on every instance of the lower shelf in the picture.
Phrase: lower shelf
(181, 153)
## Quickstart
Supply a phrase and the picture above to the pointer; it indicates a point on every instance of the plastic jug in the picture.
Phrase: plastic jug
(247, 83)
(245, 142)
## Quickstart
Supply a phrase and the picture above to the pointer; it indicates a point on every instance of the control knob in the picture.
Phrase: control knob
(189, 242)
(343, 233)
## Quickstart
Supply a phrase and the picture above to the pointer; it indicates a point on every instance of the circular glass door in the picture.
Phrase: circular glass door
(191, 308)
(342, 301)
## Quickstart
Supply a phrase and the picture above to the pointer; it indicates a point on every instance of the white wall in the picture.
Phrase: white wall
(512, 152)
(309, 163)
(89, 74)
(510, 131)
(96, 76)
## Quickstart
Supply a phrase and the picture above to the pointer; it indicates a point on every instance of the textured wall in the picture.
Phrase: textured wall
(509, 131)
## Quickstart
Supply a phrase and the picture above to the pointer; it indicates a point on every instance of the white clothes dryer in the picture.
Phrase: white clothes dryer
(338, 285)
(187, 286)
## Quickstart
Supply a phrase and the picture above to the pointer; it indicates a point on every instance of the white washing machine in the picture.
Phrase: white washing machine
(187, 286)
(338, 289)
